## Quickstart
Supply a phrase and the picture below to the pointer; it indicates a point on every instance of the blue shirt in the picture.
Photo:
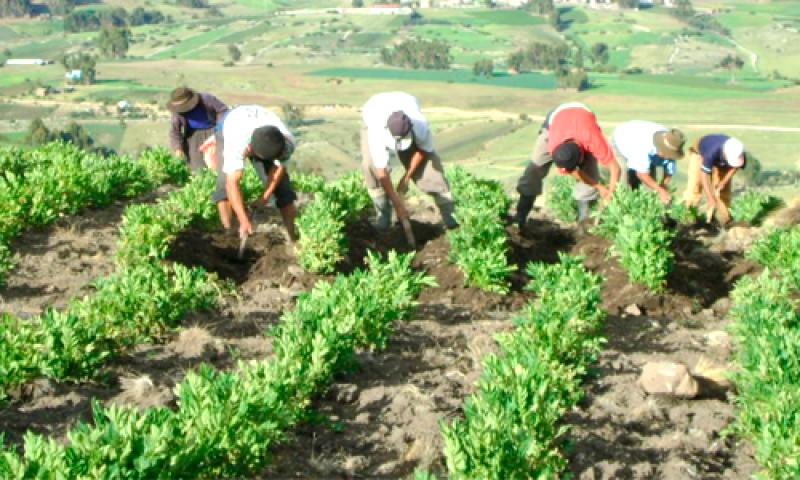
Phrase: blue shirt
(197, 118)
(710, 148)
(669, 166)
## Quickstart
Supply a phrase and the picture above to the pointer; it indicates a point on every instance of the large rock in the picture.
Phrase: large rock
(668, 378)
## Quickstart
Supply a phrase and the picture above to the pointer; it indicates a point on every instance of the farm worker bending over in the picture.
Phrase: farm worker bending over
(194, 116)
(646, 146)
(252, 131)
(713, 161)
(571, 137)
(393, 122)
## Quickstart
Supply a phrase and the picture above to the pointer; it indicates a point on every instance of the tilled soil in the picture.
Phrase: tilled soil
(382, 419)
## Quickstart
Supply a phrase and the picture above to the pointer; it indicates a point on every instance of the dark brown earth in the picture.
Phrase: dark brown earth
(382, 419)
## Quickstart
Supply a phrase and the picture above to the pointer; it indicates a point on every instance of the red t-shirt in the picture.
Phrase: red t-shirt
(580, 125)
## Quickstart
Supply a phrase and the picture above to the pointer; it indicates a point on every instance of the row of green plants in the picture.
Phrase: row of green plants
(226, 422)
(512, 425)
(766, 332)
(39, 185)
(322, 242)
(753, 206)
(480, 246)
(637, 224)
(140, 301)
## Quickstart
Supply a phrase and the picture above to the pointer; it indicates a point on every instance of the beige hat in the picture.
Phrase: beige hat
(182, 100)
(669, 144)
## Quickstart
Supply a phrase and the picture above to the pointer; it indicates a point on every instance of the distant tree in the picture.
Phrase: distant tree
(683, 9)
(539, 56)
(60, 7)
(113, 41)
(483, 68)
(489, 3)
(293, 115)
(541, 7)
(140, 16)
(578, 61)
(575, 78)
(516, 60)
(234, 52)
(628, 3)
(193, 3)
(38, 133)
(77, 135)
(358, 3)
(600, 53)
(415, 53)
(555, 20)
(15, 8)
(84, 62)
(732, 63)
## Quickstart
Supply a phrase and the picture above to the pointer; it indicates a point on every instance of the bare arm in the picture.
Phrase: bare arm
(666, 180)
(275, 177)
(237, 203)
(416, 160)
(663, 194)
(727, 178)
(580, 175)
(615, 172)
(386, 183)
(705, 178)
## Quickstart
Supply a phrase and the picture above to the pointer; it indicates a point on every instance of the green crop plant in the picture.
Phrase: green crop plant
(226, 422)
(512, 425)
(753, 206)
(779, 250)
(480, 246)
(644, 248)
(322, 242)
(635, 221)
(766, 332)
(129, 306)
(59, 179)
(560, 200)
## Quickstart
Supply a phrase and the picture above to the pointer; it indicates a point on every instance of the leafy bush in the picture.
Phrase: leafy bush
(226, 422)
(321, 225)
(780, 251)
(560, 200)
(512, 424)
(635, 222)
(753, 206)
(479, 246)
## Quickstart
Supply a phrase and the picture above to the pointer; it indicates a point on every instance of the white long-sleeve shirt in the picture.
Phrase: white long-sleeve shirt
(237, 131)
(376, 112)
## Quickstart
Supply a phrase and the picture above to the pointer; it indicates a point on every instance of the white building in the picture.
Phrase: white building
(27, 61)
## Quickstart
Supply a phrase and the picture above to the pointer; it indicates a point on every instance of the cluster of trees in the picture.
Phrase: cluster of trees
(15, 8)
(192, 3)
(483, 68)
(732, 63)
(39, 134)
(541, 7)
(537, 56)
(418, 53)
(84, 62)
(93, 20)
(113, 41)
(685, 11)
(572, 78)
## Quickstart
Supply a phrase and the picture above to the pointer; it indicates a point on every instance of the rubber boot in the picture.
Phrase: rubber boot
(446, 209)
(383, 210)
(524, 207)
(584, 209)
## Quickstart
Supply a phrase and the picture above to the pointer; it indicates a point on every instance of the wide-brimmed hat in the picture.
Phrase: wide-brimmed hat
(182, 100)
(669, 144)
(400, 127)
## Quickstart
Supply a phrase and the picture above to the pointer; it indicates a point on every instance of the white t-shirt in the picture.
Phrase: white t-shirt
(237, 130)
(375, 114)
(634, 141)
